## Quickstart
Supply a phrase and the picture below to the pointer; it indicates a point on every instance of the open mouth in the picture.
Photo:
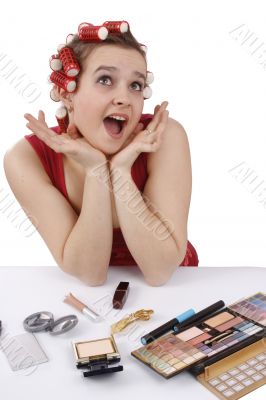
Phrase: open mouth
(114, 125)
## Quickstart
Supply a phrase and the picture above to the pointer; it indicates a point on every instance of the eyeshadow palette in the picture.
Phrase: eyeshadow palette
(226, 350)
(238, 374)
(217, 336)
(169, 355)
(225, 331)
(253, 307)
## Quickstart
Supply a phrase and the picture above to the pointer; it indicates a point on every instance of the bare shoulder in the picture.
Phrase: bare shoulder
(168, 187)
(22, 155)
(43, 203)
(174, 145)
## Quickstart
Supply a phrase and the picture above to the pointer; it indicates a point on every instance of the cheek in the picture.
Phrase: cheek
(86, 109)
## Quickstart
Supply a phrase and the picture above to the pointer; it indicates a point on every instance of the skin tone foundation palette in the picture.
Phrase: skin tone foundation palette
(231, 339)
(97, 356)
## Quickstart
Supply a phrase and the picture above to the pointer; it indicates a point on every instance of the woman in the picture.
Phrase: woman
(114, 187)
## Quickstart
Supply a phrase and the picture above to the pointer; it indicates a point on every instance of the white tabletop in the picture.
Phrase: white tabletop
(25, 290)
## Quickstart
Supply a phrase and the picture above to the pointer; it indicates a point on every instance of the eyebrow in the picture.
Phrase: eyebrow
(110, 68)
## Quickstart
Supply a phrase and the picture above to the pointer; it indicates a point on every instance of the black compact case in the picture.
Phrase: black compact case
(97, 356)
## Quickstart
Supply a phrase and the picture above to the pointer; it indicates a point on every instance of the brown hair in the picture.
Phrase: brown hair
(82, 49)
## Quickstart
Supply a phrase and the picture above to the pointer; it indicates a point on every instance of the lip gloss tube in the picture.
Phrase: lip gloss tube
(88, 312)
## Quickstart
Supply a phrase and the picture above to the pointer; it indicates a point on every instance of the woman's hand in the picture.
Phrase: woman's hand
(147, 140)
(71, 143)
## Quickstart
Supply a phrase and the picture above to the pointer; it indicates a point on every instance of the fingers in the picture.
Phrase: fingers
(39, 126)
(160, 127)
(156, 109)
(40, 129)
(138, 128)
(41, 118)
(73, 131)
(158, 115)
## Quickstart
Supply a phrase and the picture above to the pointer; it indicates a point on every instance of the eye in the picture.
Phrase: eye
(137, 86)
(104, 80)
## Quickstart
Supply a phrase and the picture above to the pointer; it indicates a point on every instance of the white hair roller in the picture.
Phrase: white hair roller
(143, 48)
(60, 47)
(69, 38)
(147, 92)
(149, 77)
(55, 62)
(54, 96)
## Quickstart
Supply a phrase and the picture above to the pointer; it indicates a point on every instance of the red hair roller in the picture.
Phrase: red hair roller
(93, 33)
(116, 26)
(69, 62)
(63, 81)
(62, 119)
(84, 24)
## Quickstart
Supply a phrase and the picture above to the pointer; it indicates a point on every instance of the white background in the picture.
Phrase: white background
(215, 87)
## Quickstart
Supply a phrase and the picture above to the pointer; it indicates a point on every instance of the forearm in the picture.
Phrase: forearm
(147, 236)
(88, 248)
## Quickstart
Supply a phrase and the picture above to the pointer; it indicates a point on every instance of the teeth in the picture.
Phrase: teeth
(117, 117)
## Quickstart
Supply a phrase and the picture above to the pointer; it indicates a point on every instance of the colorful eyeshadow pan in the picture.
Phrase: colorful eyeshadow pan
(199, 339)
(229, 324)
(175, 355)
(253, 307)
(219, 319)
(238, 330)
(190, 333)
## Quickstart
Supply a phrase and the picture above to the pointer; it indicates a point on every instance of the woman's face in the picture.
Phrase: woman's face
(112, 83)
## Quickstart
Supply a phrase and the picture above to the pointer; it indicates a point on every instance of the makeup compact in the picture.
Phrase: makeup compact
(97, 356)
(226, 340)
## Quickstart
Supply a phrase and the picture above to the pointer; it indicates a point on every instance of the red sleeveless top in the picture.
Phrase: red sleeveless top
(54, 167)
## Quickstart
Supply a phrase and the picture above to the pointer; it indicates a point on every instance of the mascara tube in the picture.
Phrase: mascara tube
(168, 326)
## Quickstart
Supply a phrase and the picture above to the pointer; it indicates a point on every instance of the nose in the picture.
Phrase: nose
(121, 96)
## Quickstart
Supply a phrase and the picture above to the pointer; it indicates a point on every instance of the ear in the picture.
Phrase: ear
(64, 96)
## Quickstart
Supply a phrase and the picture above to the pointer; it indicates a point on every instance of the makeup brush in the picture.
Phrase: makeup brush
(88, 312)
(222, 336)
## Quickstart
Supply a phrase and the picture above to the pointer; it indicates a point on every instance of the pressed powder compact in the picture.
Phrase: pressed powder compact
(96, 356)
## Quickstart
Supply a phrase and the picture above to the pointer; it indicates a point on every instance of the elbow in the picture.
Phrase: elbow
(159, 279)
(93, 278)
(95, 281)
(160, 275)
(155, 282)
